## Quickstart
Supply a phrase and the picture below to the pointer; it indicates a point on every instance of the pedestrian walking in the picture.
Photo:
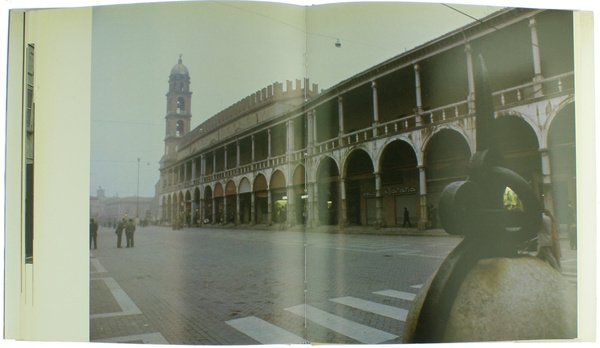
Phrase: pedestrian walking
(119, 231)
(548, 248)
(93, 233)
(406, 221)
(129, 230)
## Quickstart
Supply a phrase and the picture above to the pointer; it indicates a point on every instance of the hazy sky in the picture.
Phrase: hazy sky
(231, 49)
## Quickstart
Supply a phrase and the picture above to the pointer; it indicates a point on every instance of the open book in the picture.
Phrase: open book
(267, 173)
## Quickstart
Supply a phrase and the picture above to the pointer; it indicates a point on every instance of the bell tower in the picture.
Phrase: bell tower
(179, 100)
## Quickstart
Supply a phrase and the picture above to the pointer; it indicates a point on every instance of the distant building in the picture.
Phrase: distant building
(107, 211)
(390, 137)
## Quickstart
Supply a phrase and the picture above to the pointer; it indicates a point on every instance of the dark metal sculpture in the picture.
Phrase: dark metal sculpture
(475, 208)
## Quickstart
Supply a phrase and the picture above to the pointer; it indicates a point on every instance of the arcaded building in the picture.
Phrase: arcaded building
(388, 138)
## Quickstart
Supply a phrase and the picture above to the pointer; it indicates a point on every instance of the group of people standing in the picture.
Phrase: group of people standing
(125, 225)
(129, 227)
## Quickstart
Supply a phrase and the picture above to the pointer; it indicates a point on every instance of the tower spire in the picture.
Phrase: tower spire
(179, 99)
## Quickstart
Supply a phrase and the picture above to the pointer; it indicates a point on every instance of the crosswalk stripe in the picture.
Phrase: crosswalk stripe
(127, 305)
(354, 330)
(98, 268)
(264, 332)
(373, 307)
(396, 294)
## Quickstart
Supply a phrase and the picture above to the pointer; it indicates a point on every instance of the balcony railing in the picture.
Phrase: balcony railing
(510, 97)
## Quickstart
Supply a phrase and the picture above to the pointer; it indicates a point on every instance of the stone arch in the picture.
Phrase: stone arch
(349, 153)
(535, 128)
(245, 197)
(328, 178)
(562, 157)
(230, 196)
(399, 182)
(360, 189)
(322, 158)
(244, 186)
(261, 201)
(298, 183)
(446, 158)
(381, 149)
(469, 141)
(518, 143)
(279, 199)
(277, 179)
(567, 103)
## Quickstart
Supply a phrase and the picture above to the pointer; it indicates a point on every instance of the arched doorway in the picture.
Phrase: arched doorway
(399, 182)
(208, 205)
(279, 199)
(300, 196)
(561, 147)
(447, 156)
(245, 197)
(230, 201)
(519, 147)
(360, 189)
(328, 180)
(261, 210)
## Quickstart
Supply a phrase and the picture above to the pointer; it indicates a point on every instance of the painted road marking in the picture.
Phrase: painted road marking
(373, 307)
(149, 338)
(97, 266)
(354, 330)
(264, 332)
(397, 294)
(124, 301)
(417, 286)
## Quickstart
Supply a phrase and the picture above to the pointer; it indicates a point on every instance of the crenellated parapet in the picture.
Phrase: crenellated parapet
(293, 93)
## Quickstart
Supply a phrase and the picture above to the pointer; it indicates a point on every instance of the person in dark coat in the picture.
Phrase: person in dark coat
(119, 231)
(406, 221)
(129, 229)
(93, 233)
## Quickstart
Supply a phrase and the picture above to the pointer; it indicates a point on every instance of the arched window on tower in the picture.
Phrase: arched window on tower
(180, 105)
(179, 128)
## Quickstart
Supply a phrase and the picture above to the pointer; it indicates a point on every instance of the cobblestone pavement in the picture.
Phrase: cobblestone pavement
(219, 286)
